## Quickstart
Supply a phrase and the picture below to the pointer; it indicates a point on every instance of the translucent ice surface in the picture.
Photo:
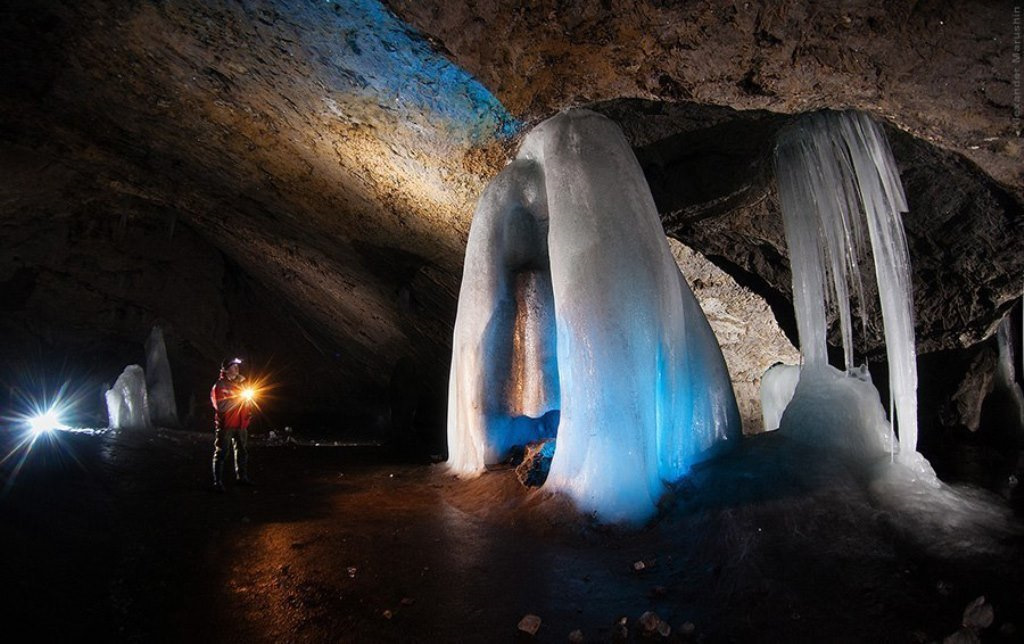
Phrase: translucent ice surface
(838, 411)
(127, 402)
(777, 387)
(160, 387)
(573, 318)
(837, 178)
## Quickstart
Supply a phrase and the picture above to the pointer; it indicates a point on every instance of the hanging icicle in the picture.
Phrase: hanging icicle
(837, 177)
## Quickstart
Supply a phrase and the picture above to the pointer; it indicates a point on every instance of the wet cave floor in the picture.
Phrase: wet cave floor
(117, 537)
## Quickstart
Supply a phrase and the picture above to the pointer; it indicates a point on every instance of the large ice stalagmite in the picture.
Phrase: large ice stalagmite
(127, 402)
(623, 357)
(159, 385)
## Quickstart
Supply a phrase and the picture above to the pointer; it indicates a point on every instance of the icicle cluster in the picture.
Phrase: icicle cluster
(836, 178)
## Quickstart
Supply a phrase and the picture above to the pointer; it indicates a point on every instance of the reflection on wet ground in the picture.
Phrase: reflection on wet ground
(117, 536)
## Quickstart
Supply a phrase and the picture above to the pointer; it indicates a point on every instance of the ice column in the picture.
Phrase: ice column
(837, 177)
(619, 350)
(127, 402)
(162, 408)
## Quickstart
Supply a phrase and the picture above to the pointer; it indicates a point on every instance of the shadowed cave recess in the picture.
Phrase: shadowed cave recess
(294, 183)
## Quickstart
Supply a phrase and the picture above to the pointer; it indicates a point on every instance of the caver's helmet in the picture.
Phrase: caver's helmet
(226, 364)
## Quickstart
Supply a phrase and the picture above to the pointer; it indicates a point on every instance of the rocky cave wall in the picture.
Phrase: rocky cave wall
(324, 160)
(81, 282)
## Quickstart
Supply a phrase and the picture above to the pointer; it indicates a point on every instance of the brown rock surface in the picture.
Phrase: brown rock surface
(941, 72)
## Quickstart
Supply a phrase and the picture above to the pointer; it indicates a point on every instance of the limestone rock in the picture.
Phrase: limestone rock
(533, 471)
(745, 326)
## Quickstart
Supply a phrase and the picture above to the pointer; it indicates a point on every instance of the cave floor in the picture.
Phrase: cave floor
(117, 537)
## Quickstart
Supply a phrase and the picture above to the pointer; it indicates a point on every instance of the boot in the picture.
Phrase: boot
(218, 475)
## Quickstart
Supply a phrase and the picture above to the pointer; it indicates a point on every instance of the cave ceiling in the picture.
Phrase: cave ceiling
(334, 151)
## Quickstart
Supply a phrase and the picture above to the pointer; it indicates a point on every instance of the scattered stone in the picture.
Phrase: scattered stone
(687, 629)
(639, 565)
(649, 621)
(1008, 629)
(620, 632)
(654, 626)
(352, 572)
(529, 624)
(576, 637)
(978, 614)
(944, 588)
(533, 470)
(388, 614)
(963, 636)
(408, 601)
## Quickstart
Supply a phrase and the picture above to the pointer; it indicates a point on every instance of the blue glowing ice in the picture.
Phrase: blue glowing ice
(374, 54)
(573, 317)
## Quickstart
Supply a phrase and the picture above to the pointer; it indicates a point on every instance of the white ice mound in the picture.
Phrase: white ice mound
(778, 384)
(839, 412)
(127, 402)
(160, 387)
(574, 319)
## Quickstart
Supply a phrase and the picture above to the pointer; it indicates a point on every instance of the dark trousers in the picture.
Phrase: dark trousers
(222, 441)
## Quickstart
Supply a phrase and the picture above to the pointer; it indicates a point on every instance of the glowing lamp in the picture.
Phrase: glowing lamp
(248, 394)
(45, 422)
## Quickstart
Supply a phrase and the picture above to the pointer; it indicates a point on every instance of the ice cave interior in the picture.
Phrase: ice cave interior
(585, 274)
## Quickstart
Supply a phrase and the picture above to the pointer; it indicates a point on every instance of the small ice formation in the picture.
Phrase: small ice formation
(778, 384)
(1006, 381)
(162, 409)
(837, 177)
(127, 401)
(841, 413)
(575, 321)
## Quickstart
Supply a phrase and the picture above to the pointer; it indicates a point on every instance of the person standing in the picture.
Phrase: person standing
(232, 413)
